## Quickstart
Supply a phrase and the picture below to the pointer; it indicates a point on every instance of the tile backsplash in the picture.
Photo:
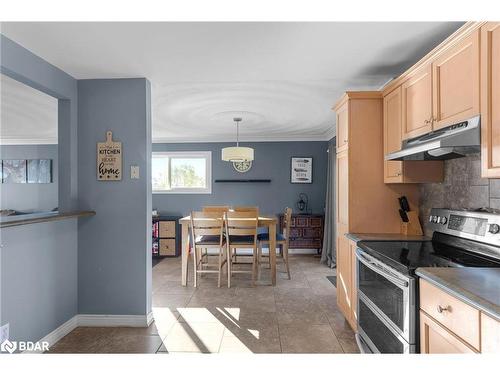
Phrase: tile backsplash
(462, 187)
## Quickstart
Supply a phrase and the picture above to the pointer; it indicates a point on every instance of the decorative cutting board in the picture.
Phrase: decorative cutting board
(109, 159)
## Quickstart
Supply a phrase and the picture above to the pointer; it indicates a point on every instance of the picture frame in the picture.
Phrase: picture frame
(301, 170)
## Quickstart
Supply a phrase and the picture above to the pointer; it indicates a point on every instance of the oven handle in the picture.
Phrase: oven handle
(376, 268)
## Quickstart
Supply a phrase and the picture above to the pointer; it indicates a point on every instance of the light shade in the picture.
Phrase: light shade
(237, 154)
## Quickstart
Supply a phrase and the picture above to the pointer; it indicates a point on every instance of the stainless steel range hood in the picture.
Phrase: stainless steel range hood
(454, 141)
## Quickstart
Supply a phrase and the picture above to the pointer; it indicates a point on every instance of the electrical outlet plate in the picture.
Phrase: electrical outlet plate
(4, 332)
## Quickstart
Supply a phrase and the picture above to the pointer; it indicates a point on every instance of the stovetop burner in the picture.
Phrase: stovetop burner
(408, 256)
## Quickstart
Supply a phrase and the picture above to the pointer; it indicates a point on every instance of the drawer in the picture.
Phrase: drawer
(167, 247)
(167, 229)
(460, 318)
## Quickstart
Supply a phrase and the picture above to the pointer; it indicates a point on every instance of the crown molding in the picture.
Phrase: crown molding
(230, 139)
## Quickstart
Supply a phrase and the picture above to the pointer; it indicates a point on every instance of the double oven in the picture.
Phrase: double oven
(386, 307)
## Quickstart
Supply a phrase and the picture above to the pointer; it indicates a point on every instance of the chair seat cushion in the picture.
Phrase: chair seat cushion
(207, 240)
(265, 237)
(241, 239)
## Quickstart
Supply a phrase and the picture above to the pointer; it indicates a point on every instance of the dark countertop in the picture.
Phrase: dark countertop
(357, 237)
(479, 287)
(41, 217)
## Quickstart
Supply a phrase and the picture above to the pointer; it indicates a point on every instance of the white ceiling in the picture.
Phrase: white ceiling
(28, 116)
(282, 78)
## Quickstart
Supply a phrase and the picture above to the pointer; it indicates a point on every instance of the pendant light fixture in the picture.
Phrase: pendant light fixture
(237, 154)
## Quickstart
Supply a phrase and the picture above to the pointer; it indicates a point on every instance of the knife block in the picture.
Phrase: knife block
(412, 227)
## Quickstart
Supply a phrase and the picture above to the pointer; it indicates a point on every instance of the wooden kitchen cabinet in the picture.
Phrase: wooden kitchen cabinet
(455, 83)
(403, 171)
(417, 103)
(490, 100)
(450, 325)
(342, 127)
(365, 204)
(435, 339)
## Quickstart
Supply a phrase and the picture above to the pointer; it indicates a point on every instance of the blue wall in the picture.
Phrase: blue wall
(30, 197)
(39, 278)
(272, 161)
(38, 262)
(114, 258)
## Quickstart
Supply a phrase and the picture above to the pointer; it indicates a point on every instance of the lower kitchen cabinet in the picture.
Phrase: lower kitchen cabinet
(346, 280)
(449, 325)
(435, 339)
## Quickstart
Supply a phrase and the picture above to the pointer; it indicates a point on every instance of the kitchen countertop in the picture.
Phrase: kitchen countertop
(357, 237)
(478, 287)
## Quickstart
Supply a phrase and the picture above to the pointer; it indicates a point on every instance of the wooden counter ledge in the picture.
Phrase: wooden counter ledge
(41, 217)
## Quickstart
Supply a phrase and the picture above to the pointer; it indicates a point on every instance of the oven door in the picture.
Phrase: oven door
(389, 294)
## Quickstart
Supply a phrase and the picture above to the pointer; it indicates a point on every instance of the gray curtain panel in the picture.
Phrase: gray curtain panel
(328, 254)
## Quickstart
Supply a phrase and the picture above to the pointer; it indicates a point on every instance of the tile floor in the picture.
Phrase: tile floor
(296, 316)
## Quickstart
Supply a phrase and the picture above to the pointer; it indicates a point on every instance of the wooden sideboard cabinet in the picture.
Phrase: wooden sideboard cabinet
(166, 236)
(306, 231)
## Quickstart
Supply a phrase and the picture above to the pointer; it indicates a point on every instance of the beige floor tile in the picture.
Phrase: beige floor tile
(171, 301)
(195, 337)
(250, 344)
(132, 344)
(349, 345)
(296, 338)
(174, 287)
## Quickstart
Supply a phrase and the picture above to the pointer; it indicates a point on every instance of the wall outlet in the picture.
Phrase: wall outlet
(134, 172)
(4, 332)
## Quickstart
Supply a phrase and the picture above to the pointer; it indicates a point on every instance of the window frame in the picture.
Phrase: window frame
(207, 155)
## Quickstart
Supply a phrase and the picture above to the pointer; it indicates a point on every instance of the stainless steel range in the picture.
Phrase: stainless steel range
(386, 280)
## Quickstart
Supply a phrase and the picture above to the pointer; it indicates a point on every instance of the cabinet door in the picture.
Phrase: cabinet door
(354, 289)
(490, 100)
(343, 188)
(417, 103)
(393, 170)
(435, 339)
(342, 120)
(455, 76)
(344, 276)
(490, 334)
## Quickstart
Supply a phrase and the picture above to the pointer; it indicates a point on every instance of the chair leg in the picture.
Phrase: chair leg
(221, 251)
(229, 265)
(254, 266)
(195, 263)
(259, 257)
(285, 259)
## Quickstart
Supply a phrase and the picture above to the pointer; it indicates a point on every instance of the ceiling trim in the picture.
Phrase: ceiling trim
(19, 142)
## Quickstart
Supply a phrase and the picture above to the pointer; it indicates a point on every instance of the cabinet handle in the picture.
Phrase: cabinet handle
(442, 309)
(398, 174)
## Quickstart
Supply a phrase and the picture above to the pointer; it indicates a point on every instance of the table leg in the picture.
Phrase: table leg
(185, 253)
(272, 252)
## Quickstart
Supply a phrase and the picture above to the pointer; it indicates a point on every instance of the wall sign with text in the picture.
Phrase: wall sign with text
(109, 159)
(301, 171)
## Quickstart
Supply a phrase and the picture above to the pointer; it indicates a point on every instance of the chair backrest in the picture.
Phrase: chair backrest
(207, 224)
(252, 209)
(286, 228)
(241, 224)
(220, 209)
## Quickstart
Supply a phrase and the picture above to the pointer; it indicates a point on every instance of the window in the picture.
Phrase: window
(182, 172)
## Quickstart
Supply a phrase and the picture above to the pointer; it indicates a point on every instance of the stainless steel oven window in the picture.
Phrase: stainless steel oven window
(389, 294)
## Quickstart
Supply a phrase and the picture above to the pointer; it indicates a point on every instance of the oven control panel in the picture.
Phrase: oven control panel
(476, 225)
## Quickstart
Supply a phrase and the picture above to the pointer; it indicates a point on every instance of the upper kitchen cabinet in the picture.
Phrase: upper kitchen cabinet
(490, 100)
(342, 127)
(455, 86)
(403, 171)
(417, 103)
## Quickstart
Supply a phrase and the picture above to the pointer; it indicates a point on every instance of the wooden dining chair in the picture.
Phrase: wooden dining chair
(215, 209)
(282, 240)
(241, 232)
(252, 210)
(207, 231)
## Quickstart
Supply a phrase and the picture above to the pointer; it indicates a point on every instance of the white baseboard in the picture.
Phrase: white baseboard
(97, 320)
(94, 320)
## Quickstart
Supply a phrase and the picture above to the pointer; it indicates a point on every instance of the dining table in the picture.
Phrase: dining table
(263, 222)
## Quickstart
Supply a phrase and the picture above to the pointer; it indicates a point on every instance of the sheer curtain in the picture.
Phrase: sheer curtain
(328, 254)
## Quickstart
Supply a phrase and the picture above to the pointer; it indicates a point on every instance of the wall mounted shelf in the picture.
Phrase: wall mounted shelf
(240, 181)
